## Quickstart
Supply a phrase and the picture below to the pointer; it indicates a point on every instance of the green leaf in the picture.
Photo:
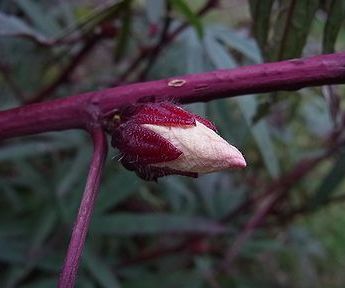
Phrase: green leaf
(172, 279)
(218, 193)
(126, 224)
(291, 28)
(330, 183)
(187, 12)
(234, 40)
(125, 33)
(75, 172)
(260, 131)
(43, 21)
(194, 53)
(261, 14)
(155, 10)
(88, 22)
(335, 18)
(179, 195)
(35, 148)
(41, 283)
(100, 270)
(248, 107)
(14, 26)
(225, 111)
(218, 55)
(117, 188)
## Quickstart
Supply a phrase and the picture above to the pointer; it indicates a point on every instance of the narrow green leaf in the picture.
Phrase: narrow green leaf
(75, 172)
(14, 26)
(41, 283)
(248, 106)
(187, 12)
(100, 270)
(15, 253)
(194, 53)
(125, 33)
(126, 224)
(218, 55)
(187, 278)
(234, 40)
(179, 195)
(291, 28)
(41, 19)
(107, 10)
(117, 188)
(330, 183)
(155, 10)
(34, 148)
(225, 112)
(335, 18)
(261, 14)
(44, 228)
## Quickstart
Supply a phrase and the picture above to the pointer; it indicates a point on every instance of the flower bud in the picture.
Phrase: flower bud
(161, 139)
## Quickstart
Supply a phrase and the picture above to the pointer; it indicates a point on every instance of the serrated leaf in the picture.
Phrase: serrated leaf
(335, 18)
(126, 224)
(291, 28)
(187, 12)
(14, 26)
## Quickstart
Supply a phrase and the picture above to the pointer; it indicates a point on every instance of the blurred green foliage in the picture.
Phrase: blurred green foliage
(171, 233)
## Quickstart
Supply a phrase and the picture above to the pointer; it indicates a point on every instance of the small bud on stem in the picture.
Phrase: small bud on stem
(162, 139)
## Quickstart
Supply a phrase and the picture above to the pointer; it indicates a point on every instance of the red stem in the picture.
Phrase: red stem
(80, 229)
(85, 110)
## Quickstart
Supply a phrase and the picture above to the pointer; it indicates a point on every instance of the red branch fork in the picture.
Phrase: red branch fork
(85, 111)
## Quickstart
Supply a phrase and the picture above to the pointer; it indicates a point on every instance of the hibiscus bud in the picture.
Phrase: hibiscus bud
(162, 139)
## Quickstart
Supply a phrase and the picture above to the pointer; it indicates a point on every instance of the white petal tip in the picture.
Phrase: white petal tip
(236, 159)
(239, 162)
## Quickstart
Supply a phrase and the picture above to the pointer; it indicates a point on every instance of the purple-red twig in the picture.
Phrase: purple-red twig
(84, 110)
(81, 226)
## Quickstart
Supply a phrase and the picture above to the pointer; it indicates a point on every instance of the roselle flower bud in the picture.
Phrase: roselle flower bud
(162, 139)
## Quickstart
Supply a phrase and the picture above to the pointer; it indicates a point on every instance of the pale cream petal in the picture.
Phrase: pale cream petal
(204, 151)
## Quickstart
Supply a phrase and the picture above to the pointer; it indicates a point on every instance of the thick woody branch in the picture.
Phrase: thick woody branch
(81, 226)
(85, 110)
